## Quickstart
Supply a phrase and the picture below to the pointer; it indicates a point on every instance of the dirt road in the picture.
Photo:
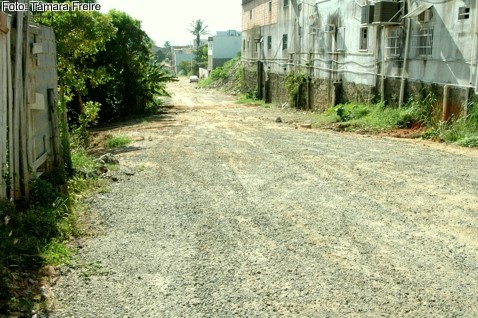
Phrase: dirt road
(220, 211)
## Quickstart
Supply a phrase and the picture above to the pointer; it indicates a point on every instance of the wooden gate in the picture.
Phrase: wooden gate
(29, 143)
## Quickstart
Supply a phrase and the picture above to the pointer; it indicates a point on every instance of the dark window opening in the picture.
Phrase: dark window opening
(363, 39)
(463, 13)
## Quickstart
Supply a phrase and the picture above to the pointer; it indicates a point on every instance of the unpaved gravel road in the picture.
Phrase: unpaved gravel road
(230, 214)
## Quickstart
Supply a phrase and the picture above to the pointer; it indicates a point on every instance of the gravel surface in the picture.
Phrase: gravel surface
(220, 211)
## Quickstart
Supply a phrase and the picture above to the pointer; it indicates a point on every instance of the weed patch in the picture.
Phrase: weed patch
(251, 98)
(32, 236)
(117, 141)
(35, 235)
(423, 114)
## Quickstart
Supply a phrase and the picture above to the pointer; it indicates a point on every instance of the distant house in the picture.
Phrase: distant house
(181, 53)
(222, 47)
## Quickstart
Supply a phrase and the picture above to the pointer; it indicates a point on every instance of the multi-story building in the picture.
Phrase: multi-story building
(363, 50)
(181, 53)
(222, 47)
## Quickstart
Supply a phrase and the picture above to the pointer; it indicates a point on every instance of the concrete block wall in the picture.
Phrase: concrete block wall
(249, 77)
(322, 90)
(325, 93)
(276, 90)
(356, 93)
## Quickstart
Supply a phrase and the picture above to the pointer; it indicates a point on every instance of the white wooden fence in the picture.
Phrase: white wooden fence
(29, 143)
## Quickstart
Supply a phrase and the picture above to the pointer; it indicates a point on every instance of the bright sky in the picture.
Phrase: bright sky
(169, 20)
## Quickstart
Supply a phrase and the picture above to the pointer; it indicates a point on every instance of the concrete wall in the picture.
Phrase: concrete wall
(452, 50)
(180, 55)
(222, 47)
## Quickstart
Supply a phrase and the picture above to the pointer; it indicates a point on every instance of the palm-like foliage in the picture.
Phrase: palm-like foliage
(197, 29)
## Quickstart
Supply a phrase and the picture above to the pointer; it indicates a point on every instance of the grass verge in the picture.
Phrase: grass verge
(35, 237)
(422, 116)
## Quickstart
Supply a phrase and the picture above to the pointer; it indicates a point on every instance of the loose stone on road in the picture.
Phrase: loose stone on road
(230, 213)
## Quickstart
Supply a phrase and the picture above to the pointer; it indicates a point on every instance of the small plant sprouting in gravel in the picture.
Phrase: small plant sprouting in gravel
(117, 141)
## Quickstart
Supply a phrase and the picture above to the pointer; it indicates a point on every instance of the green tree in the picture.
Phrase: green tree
(184, 67)
(106, 67)
(80, 36)
(199, 59)
(135, 77)
(159, 56)
(168, 50)
(198, 29)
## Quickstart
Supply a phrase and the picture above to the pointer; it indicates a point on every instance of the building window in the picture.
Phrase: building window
(243, 45)
(250, 15)
(269, 42)
(463, 13)
(363, 39)
(340, 39)
(286, 3)
(284, 41)
(270, 6)
(394, 43)
(424, 41)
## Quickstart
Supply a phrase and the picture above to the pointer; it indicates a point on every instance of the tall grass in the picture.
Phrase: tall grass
(117, 141)
(424, 114)
(462, 131)
(35, 234)
(31, 236)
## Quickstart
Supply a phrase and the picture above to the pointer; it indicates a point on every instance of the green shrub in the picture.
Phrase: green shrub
(293, 83)
(34, 234)
(218, 73)
(117, 141)
(42, 192)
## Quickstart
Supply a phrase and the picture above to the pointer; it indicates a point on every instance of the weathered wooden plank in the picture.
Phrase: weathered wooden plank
(17, 106)
(4, 27)
(25, 122)
(55, 130)
(3, 109)
(37, 163)
(10, 105)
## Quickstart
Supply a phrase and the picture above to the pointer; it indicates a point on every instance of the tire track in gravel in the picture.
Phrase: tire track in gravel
(232, 215)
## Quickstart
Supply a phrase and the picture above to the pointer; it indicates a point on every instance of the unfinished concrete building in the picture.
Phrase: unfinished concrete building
(363, 51)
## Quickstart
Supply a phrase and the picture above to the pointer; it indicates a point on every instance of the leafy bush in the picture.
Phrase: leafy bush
(82, 161)
(471, 141)
(34, 234)
(293, 84)
(218, 73)
(423, 113)
(346, 112)
(42, 193)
